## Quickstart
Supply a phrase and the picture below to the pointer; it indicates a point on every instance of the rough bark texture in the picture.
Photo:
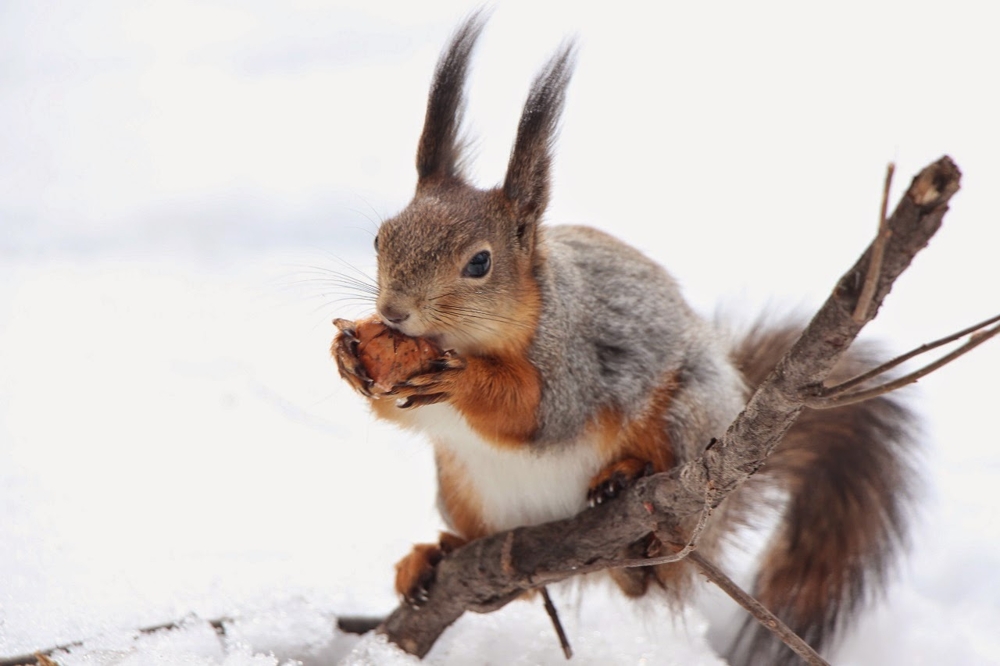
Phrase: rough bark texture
(489, 573)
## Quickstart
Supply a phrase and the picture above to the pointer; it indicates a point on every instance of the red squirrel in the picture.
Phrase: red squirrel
(573, 366)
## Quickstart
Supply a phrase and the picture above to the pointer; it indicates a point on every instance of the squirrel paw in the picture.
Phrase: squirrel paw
(615, 478)
(345, 351)
(416, 572)
(433, 385)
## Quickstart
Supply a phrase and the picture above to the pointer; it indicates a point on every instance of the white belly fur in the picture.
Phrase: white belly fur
(516, 486)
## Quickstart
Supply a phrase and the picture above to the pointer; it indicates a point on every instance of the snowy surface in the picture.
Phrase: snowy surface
(178, 179)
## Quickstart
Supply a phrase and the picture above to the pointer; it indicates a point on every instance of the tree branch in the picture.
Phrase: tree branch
(490, 572)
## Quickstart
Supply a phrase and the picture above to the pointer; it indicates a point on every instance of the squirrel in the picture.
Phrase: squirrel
(574, 366)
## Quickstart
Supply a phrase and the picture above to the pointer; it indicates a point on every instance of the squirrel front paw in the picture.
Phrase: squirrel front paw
(379, 362)
(611, 481)
(415, 573)
(345, 352)
(433, 385)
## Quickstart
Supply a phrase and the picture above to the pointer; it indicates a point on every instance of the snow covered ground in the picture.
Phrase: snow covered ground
(178, 179)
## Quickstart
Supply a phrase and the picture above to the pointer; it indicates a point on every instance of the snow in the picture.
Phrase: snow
(179, 179)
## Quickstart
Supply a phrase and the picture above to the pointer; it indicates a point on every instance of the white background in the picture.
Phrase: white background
(177, 179)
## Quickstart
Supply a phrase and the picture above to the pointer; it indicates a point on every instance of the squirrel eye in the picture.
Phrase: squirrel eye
(376, 243)
(478, 266)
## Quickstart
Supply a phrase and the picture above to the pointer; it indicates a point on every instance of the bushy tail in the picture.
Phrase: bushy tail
(850, 485)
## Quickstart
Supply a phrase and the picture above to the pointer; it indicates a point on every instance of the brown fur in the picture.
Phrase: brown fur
(849, 481)
(643, 437)
(636, 447)
(499, 397)
(499, 391)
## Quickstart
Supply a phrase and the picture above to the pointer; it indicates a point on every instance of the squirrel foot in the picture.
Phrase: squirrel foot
(634, 581)
(345, 351)
(608, 484)
(615, 478)
(416, 572)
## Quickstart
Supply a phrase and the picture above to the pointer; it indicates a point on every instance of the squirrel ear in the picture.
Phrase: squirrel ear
(438, 154)
(527, 183)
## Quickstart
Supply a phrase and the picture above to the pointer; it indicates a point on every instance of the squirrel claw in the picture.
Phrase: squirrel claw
(418, 400)
(418, 595)
(345, 352)
(615, 479)
(345, 326)
(432, 386)
(416, 573)
(607, 489)
(449, 360)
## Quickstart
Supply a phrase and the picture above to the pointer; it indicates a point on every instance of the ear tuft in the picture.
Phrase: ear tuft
(439, 151)
(527, 183)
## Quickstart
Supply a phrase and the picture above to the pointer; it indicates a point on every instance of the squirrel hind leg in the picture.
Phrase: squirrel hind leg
(615, 478)
(673, 579)
(636, 581)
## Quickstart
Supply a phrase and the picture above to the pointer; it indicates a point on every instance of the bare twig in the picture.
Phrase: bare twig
(878, 251)
(757, 610)
(43, 657)
(843, 398)
(26, 659)
(843, 387)
(358, 624)
(550, 608)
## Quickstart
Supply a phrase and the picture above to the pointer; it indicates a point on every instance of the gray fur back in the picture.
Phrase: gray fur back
(613, 325)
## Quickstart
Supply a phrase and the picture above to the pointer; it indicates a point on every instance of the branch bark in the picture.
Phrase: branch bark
(489, 573)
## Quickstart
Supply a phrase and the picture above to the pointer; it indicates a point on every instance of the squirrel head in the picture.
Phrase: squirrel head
(457, 264)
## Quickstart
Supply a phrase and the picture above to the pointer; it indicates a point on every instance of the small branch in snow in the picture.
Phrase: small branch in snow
(44, 657)
(757, 610)
(358, 625)
(550, 608)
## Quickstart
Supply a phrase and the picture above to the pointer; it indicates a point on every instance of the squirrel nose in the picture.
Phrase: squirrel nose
(392, 314)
